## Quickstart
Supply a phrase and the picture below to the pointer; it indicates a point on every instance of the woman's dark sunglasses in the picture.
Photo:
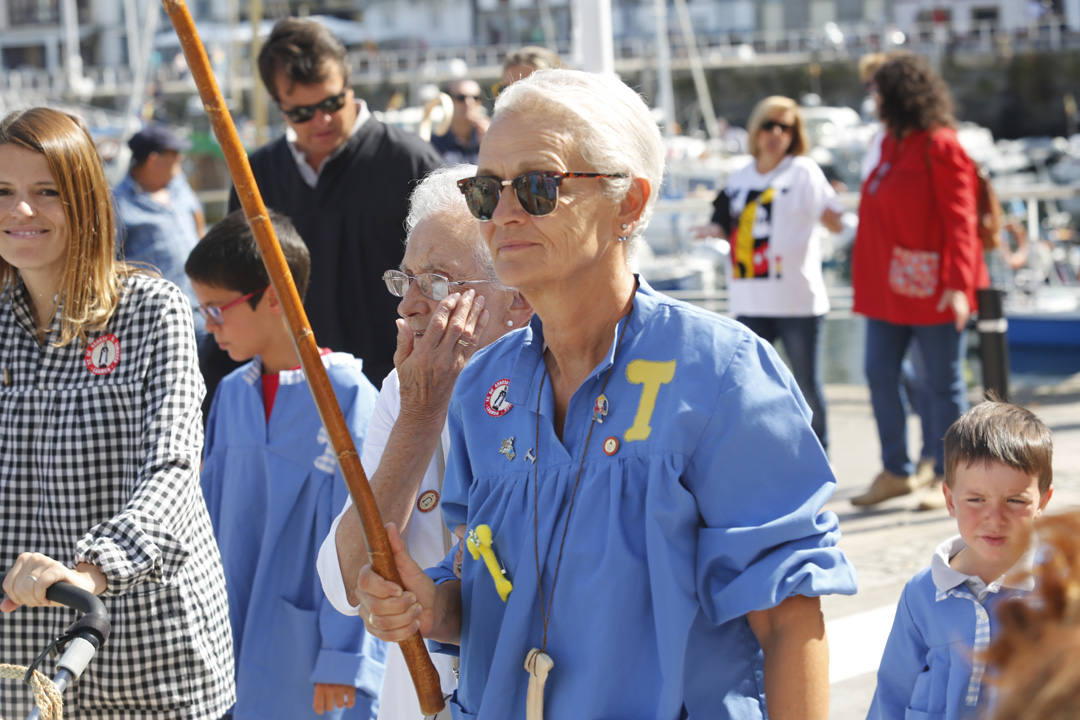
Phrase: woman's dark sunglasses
(770, 125)
(537, 191)
(303, 113)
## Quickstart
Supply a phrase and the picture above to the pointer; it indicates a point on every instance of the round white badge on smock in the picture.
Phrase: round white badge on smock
(496, 403)
(103, 355)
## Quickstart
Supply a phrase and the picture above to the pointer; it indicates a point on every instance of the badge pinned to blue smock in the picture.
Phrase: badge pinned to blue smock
(507, 448)
(495, 402)
(479, 542)
(600, 408)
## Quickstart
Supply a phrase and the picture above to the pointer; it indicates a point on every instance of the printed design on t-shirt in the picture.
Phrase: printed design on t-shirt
(750, 239)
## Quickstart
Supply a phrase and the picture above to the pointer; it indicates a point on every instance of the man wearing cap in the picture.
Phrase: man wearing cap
(159, 216)
(344, 179)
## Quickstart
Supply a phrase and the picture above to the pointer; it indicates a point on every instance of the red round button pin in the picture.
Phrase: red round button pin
(103, 355)
(611, 445)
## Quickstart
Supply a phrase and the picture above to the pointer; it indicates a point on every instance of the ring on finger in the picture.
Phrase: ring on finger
(464, 343)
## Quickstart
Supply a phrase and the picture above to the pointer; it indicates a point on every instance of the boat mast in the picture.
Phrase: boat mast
(697, 71)
(663, 68)
(593, 51)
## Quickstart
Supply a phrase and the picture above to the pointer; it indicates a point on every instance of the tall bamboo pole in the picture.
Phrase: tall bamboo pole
(423, 672)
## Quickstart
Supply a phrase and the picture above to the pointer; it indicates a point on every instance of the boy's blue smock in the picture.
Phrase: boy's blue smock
(926, 668)
(709, 507)
(272, 490)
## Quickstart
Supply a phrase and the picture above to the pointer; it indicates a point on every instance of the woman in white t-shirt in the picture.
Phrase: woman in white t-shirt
(768, 211)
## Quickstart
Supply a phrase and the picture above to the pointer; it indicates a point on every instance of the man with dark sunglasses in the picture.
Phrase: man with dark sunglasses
(344, 179)
(461, 143)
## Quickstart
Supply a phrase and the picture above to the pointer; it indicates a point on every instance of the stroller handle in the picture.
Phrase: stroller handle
(81, 640)
(94, 624)
(77, 598)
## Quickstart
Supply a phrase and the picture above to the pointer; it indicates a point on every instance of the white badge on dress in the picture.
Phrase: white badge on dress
(496, 403)
(428, 501)
(103, 355)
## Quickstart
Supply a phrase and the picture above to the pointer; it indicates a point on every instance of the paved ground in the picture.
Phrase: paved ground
(892, 542)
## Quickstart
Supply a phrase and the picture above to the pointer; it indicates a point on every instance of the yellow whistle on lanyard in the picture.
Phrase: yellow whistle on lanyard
(479, 543)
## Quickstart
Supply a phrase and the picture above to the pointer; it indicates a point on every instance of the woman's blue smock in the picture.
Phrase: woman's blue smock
(708, 508)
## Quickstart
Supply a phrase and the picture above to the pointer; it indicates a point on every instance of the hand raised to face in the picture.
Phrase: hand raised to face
(428, 362)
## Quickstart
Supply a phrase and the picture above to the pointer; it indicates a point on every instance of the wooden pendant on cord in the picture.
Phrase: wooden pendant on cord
(539, 664)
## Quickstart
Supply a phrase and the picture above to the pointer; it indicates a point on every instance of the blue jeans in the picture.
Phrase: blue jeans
(917, 396)
(941, 349)
(801, 337)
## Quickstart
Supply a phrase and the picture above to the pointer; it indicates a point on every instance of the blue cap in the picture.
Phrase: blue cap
(156, 138)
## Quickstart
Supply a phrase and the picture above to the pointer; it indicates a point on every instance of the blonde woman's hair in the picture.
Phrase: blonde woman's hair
(90, 283)
(764, 110)
(869, 64)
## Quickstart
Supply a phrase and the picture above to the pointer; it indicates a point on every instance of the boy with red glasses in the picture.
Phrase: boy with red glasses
(273, 487)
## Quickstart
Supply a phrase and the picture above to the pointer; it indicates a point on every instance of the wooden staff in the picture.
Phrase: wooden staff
(423, 673)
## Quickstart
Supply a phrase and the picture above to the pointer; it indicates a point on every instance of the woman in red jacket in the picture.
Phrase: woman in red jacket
(916, 264)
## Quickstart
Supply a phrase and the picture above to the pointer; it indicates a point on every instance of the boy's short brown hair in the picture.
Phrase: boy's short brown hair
(1000, 432)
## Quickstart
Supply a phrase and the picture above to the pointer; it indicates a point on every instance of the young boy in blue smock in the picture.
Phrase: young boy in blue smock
(273, 487)
(997, 482)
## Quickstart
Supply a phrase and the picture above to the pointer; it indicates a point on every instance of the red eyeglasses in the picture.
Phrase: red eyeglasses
(216, 313)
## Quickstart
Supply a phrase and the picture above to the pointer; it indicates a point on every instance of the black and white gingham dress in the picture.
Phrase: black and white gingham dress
(99, 459)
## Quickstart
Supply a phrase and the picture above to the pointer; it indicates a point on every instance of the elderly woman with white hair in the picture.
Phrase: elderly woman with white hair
(639, 479)
(447, 287)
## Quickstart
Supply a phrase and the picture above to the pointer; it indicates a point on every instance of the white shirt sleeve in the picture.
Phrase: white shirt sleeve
(387, 407)
(815, 192)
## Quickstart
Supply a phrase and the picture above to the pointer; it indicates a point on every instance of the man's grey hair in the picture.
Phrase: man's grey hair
(607, 121)
(437, 197)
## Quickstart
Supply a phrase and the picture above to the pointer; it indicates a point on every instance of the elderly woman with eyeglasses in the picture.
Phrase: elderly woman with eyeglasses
(451, 304)
(639, 481)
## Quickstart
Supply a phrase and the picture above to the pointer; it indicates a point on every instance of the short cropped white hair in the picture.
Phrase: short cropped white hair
(437, 197)
(610, 125)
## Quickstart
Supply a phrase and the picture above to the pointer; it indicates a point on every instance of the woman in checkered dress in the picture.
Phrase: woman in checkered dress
(100, 437)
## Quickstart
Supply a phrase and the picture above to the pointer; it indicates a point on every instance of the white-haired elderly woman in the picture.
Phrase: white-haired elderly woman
(643, 471)
(448, 288)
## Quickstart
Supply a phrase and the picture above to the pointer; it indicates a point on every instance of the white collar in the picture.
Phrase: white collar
(946, 577)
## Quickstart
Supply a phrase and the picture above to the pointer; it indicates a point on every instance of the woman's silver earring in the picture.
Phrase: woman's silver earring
(625, 235)
(509, 323)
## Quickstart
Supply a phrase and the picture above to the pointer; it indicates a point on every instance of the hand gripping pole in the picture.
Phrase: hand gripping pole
(423, 672)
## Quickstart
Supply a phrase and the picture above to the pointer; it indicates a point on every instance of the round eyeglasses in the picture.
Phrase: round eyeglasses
(432, 285)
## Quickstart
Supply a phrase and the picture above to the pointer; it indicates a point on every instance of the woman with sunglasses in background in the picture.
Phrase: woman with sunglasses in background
(638, 480)
(916, 263)
(451, 304)
(769, 211)
(99, 443)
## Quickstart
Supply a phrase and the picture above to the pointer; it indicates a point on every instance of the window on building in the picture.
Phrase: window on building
(33, 12)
